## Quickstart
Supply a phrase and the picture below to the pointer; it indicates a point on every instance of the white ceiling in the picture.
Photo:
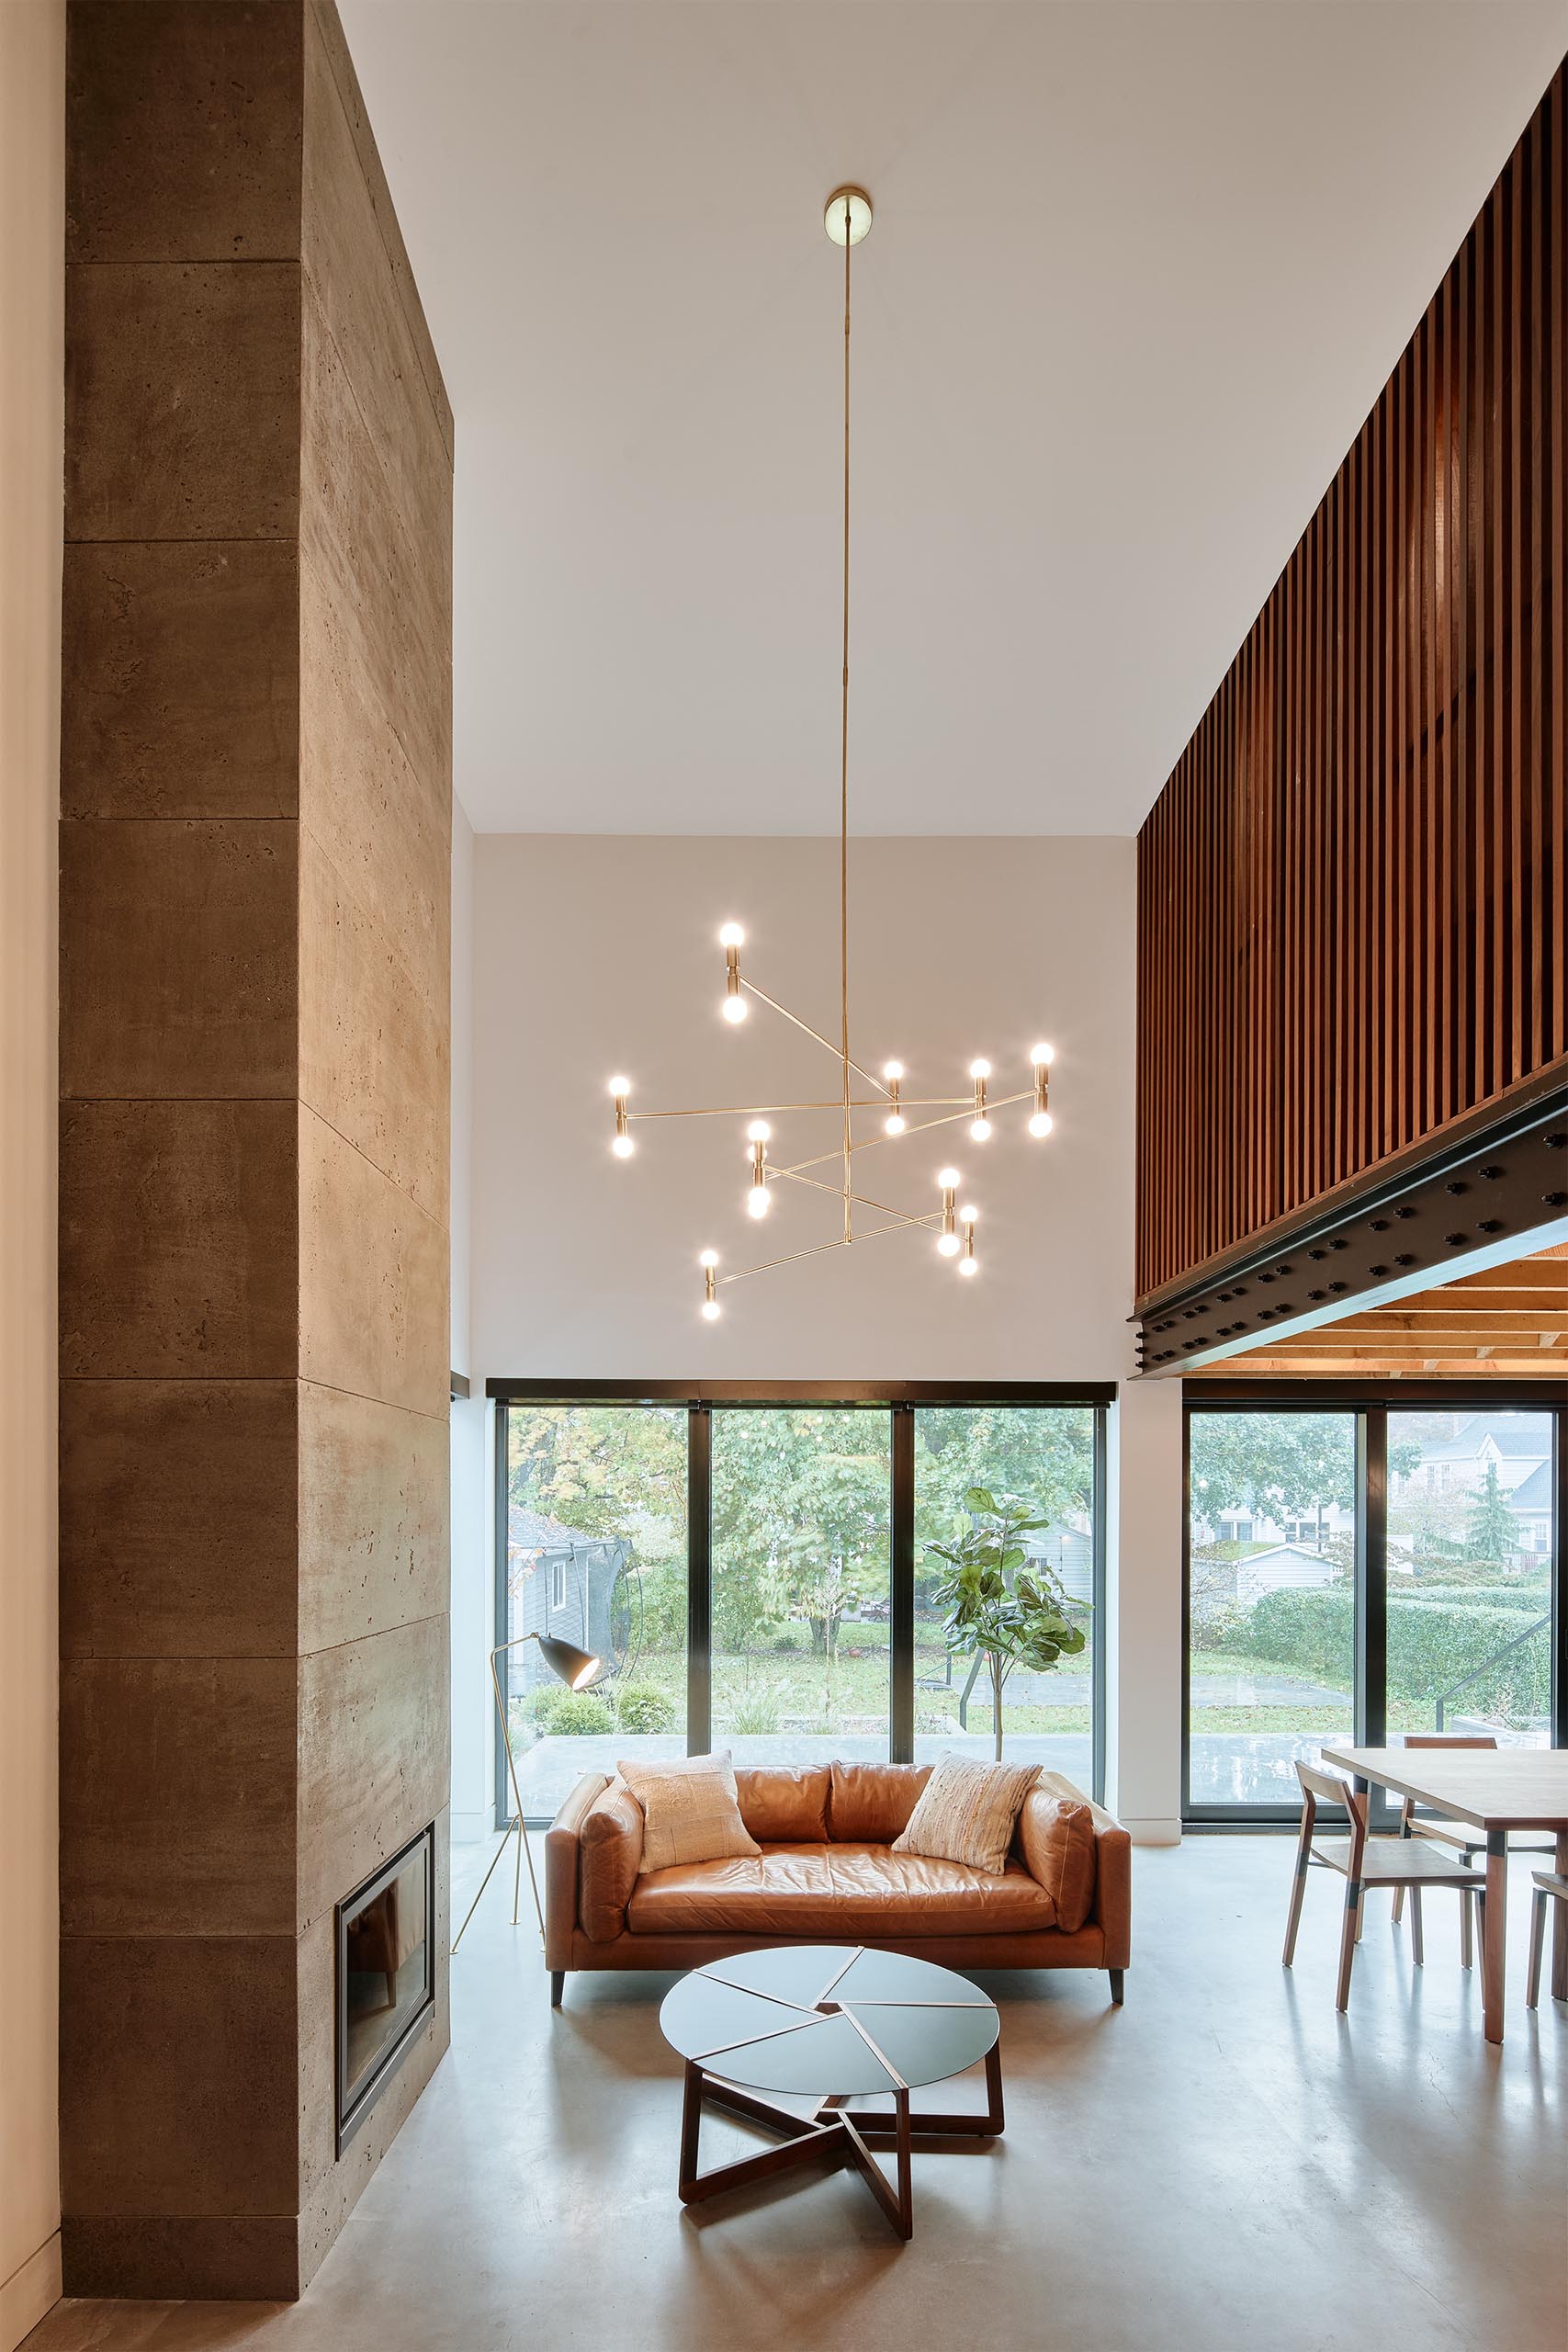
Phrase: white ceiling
(1137, 274)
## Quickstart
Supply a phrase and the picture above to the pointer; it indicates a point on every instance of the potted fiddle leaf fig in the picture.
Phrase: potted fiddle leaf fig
(998, 1601)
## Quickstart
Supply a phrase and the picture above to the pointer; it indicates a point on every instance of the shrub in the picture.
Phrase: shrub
(792, 1637)
(573, 1714)
(1221, 1626)
(759, 1708)
(1432, 1644)
(641, 1707)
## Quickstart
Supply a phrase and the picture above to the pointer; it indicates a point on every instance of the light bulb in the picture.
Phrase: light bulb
(894, 1123)
(731, 935)
(735, 1008)
(979, 1070)
(948, 1244)
(968, 1265)
(892, 1070)
(757, 1201)
(949, 1179)
(710, 1310)
(708, 1258)
(1041, 1124)
(1041, 1056)
(979, 1129)
(620, 1086)
(758, 1131)
(967, 1216)
(623, 1147)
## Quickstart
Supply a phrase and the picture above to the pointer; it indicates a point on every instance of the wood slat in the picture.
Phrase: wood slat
(1353, 892)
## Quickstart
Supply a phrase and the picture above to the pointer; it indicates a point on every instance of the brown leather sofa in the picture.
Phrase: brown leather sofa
(827, 1874)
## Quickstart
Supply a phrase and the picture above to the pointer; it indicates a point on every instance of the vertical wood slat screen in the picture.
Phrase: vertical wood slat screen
(1352, 919)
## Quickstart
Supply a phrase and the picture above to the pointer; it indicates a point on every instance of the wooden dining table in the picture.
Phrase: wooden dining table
(1494, 1791)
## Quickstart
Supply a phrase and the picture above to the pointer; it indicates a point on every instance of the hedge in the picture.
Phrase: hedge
(1480, 1596)
(1431, 1646)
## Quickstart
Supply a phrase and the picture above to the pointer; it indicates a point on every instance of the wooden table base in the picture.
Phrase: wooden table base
(835, 2134)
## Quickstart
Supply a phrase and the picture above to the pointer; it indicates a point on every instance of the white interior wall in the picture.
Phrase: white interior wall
(32, 231)
(594, 955)
(471, 1604)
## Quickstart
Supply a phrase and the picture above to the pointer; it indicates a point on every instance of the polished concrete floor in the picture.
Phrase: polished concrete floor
(1222, 2165)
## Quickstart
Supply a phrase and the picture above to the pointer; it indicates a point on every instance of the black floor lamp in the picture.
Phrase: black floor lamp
(578, 1670)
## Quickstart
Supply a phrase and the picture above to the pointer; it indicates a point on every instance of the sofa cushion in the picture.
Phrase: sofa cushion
(1055, 1838)
(836, 1890)
(968, 1812)
(689, 1811)
(871, 1804)
(610, 1842)
(783, 1804)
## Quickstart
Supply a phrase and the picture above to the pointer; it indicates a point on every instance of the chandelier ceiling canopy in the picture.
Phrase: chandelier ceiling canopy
(848, 219)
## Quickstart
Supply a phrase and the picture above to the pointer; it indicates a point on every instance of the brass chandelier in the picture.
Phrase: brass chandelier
(847, 221)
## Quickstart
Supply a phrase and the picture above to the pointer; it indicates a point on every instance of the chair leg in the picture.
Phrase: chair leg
(1480, 1900)
(1466, 1930)
(1418, 1943)
(1294, 1918)
(1118, 1983)
(1538, 1942)
(1398, 1905)
(558, 1986)
(1347, 1942)
(1361, 1913)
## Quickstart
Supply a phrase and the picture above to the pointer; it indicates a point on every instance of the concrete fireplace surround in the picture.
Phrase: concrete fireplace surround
(255, 797)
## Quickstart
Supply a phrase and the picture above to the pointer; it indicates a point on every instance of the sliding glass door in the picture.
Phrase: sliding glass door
(593, 1550)
(1360, 1567)
(1047, 1452)
(755, 1573)
(1270, 1600)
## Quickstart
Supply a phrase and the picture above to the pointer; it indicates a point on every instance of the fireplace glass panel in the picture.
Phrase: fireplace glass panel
(385, 1974)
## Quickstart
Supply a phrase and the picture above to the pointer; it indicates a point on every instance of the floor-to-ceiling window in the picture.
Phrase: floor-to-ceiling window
(801, 1583)
(753, 1571)
(1359, 1567)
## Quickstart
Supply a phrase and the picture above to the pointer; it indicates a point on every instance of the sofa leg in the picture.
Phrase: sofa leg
(1118, 1978)
(558, 1986)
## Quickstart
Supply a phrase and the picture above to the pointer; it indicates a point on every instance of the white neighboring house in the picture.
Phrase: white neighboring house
(1240, 1524)
(1515, 1444)
(1282, 1566)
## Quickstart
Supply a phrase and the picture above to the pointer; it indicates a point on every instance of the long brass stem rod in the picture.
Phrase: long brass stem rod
(844, 758)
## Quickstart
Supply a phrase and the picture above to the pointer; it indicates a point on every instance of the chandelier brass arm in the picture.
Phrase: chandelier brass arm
(862, 1200)
(847, 219)
(752, 989)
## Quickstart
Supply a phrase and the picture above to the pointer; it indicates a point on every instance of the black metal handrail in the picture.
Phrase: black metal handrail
(1486, 1665)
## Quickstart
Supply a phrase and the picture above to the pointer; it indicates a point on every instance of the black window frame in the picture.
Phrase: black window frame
(900, 1401)
(1372, 1400)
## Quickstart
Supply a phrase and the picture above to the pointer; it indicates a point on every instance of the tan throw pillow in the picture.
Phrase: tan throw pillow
(689, 1810)
(968, 1813)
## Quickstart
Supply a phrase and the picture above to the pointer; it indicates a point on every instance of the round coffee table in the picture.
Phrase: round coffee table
(841, 2022)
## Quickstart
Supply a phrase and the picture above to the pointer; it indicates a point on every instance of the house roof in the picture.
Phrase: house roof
(535, 1531)
(1516, 1436)
(1533, 1493)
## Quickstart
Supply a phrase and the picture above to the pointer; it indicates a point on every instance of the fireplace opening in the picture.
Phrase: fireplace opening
(386, 1975)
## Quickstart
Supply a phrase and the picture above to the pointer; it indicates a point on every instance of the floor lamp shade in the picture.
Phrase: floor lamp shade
(575, 1666)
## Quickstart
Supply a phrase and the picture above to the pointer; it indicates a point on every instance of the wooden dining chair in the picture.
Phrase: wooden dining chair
(1548, 1887)
(1466, 1840)
(1363, 1862)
